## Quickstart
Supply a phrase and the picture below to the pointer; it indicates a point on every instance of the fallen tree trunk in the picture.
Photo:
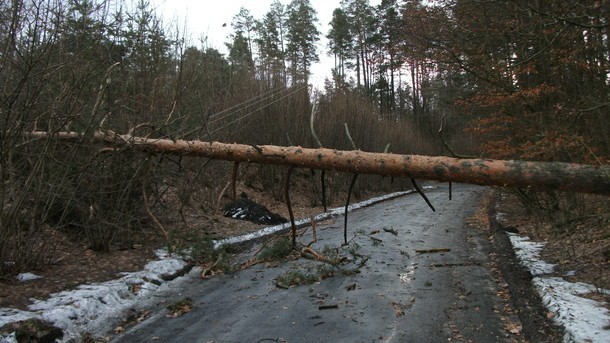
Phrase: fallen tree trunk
(521, 174)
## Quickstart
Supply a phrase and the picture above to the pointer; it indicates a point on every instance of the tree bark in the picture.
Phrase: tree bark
(520, 174)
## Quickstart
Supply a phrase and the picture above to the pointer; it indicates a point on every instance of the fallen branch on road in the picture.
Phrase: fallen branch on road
(432, 251)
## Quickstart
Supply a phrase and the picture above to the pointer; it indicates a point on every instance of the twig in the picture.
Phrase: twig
(363, 261)
(222, 193)
(351, 239)
(319, 143)
(349, 137)
(432, 251)
(171, 112)
(450, 191)
(250, 263)
(351, 186)
(100, 94)
(107, 149)
(322, 174)
(387, 148)
(328, 307)
(454, 154)
(280, 285)
(311, 128)
(212, 267)
(234, 179)
(392, 231)
(152, 216)
(440, 132)
(313, 253)
(290, 213)
(209, 269)
(308, 252)
(351, 287)
(422, 194)
(446, 146)
(313, 230)
(132, 130)
(205, 117)
(349, 194)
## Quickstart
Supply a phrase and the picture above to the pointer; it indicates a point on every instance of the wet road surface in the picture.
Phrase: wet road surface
(386, 292)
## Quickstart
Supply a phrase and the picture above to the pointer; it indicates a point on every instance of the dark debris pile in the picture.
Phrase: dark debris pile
(246, 209)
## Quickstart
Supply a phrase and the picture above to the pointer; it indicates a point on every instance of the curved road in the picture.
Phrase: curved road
(391, 289)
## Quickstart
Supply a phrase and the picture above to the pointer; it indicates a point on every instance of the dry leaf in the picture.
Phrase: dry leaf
(513, 328)
(398, 309)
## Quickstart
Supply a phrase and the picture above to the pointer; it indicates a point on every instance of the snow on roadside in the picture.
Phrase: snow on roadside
(97, 307)
(528, 252)
(584, 320)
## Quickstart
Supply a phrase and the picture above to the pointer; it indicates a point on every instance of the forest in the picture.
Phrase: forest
(514, 79)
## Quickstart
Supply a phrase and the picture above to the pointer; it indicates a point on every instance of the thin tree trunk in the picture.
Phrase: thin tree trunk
(358, 68)
(392, 91)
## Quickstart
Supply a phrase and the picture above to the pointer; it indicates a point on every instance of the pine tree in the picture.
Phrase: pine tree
(363, 26)
(389, 32)
(244, 24)
(270, 31)
(340, 41)
(240, 55)
(302, 36)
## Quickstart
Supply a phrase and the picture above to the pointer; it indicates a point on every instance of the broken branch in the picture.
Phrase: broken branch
(392, 231)
(419, 190)
(349, 194)
(327, 307)
(287, 195)
(432, 251)
(315, 137)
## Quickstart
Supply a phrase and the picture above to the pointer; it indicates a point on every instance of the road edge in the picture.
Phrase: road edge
(537, 327)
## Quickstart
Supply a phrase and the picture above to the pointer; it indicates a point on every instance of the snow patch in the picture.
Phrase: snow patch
(500, 216)
(23, 277)
(11, 315)
(584, 319)
(12, 338)
(528, 252)
(97, 307)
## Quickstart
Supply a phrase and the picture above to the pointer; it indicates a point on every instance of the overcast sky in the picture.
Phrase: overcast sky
(205, 18)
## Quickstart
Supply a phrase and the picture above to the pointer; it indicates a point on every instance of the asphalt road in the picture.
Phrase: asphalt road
(397, 295)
